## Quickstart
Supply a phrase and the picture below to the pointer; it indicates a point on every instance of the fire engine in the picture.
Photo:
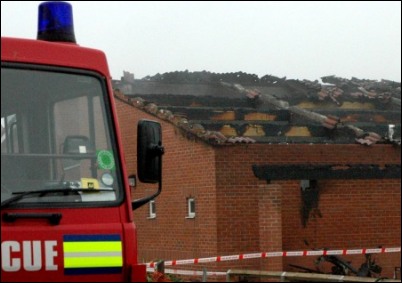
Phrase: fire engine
(66, 208)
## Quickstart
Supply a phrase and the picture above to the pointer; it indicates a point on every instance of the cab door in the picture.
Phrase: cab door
(63, 215)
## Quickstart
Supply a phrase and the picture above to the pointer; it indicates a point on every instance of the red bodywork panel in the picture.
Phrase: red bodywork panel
(53, 54)
(34, 248)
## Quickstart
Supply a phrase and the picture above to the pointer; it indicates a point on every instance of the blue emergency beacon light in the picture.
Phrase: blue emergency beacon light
(55, 22)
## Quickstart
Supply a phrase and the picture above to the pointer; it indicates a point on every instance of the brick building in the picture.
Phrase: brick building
(258, 165)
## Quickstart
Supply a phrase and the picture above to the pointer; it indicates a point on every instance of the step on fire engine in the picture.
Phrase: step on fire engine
(66, 209)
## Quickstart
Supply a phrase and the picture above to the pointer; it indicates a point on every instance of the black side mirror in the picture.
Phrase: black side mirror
(149, 157)
(149, 151)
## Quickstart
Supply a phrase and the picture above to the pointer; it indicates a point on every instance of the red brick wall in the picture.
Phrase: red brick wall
(188, 171)
(355, 213)
(237, 213)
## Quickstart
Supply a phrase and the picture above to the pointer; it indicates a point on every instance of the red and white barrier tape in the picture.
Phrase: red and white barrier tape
(278, 254)
(190, 272)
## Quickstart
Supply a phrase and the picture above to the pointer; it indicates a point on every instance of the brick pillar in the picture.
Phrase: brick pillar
(270, 219)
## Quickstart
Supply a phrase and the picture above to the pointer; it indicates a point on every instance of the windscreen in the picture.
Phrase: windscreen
(56, 134)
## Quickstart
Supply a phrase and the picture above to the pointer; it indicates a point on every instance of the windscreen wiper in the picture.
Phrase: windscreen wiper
(20, 195)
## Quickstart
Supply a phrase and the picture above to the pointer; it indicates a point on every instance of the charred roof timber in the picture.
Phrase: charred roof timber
(326, 171)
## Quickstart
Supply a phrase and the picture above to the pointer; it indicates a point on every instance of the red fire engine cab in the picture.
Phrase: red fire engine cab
(66, 209)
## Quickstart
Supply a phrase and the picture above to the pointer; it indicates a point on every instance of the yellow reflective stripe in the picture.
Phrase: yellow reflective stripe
(83, 262)
(92, 246)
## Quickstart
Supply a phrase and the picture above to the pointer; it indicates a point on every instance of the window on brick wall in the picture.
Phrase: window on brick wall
(152, 210)
(190, 208)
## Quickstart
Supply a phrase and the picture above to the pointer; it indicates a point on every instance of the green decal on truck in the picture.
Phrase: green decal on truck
(105, 159)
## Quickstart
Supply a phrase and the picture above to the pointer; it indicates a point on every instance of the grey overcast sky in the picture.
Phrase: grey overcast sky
(299, 40)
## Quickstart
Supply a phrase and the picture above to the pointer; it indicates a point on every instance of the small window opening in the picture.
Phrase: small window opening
(152, 210)
(191, 208)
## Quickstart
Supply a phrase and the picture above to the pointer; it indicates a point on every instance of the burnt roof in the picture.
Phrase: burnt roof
(243, 108)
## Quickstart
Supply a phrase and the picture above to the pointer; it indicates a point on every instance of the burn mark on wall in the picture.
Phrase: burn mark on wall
(310, 195)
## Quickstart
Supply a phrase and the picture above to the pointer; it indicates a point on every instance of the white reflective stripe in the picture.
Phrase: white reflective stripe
(373, 251)
(247, 256)
(230, 257)
(392, 250)
(209, 259)
(294, 253)
(183, 261)
(314, 252)
(190, 272)
(354, 252)
(335, 252)
(274, 254)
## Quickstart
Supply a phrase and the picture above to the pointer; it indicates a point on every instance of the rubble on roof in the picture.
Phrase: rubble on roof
(330, 122)
(240, 107)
